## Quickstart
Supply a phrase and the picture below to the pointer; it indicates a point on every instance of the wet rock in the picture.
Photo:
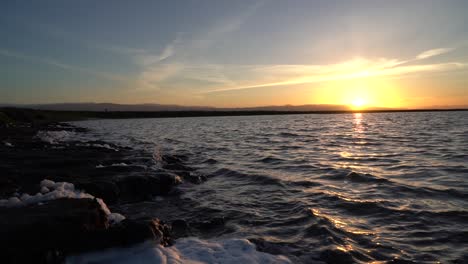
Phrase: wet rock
(129, 232)
(42, 230)
(106, 190)
(192, 177)
(144, 187)
(180, 228)
(47, 232)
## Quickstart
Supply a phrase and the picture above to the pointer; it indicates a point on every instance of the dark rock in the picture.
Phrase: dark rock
(143, 187)
(180, 228)
(46, 233)
(129, 232)
(192, 177)
(43, 230)
(106, 190)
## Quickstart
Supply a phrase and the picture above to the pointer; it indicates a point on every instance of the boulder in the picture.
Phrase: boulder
(180, 228)
(43, 231)
(129, 232)
(46, 233)
(104, 189)
(145, 186)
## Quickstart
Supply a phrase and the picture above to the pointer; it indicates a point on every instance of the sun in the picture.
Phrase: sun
(358, 103)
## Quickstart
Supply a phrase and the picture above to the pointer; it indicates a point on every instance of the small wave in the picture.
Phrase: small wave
(8, 144)
(100, 166)
(305, 184)
(271, 160)
(256, 178)
(210, 161)
(358, 177)
(288, 134)
(98, 145)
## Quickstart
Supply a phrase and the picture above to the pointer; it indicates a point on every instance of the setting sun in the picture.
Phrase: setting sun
(358, 103)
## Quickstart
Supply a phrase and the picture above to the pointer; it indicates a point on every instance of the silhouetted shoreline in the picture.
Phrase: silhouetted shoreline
(43, 116)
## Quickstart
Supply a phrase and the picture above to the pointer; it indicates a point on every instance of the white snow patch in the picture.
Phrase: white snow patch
(55, 137)
(51, 190)
(186, 250)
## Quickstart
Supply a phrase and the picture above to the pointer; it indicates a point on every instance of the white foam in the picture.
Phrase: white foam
(100, 166)
(106, 146)
(186, 250)
(51, 190)
(55, 137)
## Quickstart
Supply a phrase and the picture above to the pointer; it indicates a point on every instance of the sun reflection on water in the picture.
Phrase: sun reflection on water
(357, 122)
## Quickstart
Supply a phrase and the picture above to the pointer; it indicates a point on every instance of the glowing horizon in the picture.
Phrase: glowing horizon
(234, 54)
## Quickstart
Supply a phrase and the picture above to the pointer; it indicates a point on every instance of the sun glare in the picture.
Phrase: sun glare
(358, 103)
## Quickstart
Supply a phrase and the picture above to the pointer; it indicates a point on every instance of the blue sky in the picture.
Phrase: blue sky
(235, 53)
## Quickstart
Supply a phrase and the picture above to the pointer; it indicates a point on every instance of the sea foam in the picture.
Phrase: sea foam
(185, 250)
(51, 190)
(55, 137)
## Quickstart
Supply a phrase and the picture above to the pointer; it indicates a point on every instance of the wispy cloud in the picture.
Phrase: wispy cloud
(157, 69)
(146, 58)
(285, 75)
(151, 77)
(433, 52)
(52, 62)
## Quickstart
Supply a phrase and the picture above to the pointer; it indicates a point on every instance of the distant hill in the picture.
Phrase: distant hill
(110, 107)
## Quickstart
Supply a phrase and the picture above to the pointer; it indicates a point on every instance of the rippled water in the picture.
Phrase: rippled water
(332, 188)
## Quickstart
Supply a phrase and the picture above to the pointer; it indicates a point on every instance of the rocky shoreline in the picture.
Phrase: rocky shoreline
(100, 174)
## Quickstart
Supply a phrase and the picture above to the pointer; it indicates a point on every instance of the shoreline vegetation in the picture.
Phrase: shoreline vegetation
(35, 116)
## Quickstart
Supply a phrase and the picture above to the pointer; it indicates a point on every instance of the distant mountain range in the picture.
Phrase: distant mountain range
(102, 107)
(111, 107)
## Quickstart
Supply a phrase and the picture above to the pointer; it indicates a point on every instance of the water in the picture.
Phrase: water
(331, 188)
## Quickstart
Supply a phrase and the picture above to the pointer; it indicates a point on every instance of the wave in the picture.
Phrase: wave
(255, 178)
(271, 160)
(357, 177)
(55, 137)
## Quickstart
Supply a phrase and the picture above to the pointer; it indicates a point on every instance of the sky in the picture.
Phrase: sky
(396, 54)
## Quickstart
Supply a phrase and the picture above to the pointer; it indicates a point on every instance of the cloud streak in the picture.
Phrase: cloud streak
(432, 53)
(285, 75)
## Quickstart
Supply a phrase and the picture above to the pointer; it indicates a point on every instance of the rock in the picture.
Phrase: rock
(106, 190)
(45, 230)
(192, 177)
(129, 232)
(180, 228)
(144, 187)
(46, 233)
